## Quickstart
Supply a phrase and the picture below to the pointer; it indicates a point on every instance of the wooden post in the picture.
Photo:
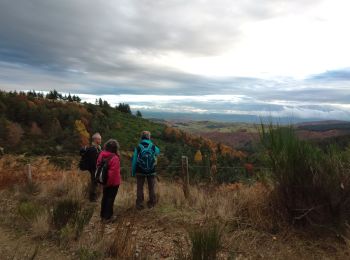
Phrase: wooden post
(185, 176)
(29, 173)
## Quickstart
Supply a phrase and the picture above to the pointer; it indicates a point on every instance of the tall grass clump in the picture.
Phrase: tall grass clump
(29, 210)
(124, 244)
(69, 217)
(206, 242)
(65, 211)
(312, 186)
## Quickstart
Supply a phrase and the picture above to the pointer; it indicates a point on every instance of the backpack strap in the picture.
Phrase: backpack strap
(109, 157)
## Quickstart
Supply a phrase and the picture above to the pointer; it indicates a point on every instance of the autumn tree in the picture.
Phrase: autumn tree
(82, 132)
(138, 113)
(198, 158)
(35, 129)
(14, 133)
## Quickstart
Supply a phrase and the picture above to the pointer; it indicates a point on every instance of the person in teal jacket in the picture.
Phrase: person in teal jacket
(144, 163)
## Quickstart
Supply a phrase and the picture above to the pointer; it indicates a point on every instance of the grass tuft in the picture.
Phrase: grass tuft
(65, 211)
(206, 242)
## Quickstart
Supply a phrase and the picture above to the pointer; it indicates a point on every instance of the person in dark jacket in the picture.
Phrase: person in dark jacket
(144, 167)
(110, 154)
(92, 153)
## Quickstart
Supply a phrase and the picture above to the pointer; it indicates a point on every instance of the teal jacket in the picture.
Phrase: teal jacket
(134, 157)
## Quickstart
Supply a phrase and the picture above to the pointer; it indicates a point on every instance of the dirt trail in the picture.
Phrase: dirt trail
(14, 246)
(152, 233)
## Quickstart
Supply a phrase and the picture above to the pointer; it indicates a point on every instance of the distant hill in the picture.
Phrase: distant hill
(322, 126)
(228, 118)
(242, 136)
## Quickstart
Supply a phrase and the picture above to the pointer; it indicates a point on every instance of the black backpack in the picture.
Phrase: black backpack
(84, 162)
(87, 161)
(101, 173)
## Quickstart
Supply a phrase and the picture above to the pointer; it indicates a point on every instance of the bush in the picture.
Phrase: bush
(60, 162)
(206, 242)
(64, 212)
(311, 186)
(82, 219)
(41, 225)
(66, 234)
(124, 244)
(86, 254)
(28, 210)
(230, 175)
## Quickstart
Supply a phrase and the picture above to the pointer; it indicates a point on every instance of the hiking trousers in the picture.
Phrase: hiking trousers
(151, 181)
(92, 187)
(107, 202)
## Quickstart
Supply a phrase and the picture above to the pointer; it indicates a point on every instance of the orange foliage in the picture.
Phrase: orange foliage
(226, 150)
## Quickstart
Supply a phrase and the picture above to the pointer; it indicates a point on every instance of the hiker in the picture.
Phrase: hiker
(144, 167)
(110, 155)
(88, 162)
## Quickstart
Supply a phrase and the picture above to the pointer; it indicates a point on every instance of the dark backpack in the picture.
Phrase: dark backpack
(84, 162)
(88, 157)
(101, 173)
(146, 160)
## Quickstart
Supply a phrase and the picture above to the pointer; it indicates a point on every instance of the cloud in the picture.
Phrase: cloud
(192, 54)
(332, 75)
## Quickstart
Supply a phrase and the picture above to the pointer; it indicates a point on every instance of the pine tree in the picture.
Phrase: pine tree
(138, 113)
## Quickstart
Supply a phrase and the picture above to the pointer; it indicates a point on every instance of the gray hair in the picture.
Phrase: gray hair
(96, 135)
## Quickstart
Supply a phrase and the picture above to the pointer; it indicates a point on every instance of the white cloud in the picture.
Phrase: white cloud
(199, 55)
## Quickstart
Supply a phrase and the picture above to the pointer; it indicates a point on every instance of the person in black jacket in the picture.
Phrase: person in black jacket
(92, 153)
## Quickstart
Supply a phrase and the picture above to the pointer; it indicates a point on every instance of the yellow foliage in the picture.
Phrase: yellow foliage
(83, 133)
(198, 158)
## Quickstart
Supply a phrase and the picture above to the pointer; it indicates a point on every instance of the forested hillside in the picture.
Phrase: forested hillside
(57, 125)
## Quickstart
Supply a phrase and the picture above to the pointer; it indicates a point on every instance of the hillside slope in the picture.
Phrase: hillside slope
(56, 127)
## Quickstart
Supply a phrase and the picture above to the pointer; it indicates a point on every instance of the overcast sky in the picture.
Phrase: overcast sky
(279, 57)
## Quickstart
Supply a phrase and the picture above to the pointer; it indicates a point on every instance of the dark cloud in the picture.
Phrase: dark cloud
(107, 47)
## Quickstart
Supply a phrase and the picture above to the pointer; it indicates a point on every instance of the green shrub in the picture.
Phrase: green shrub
(312, 186)
(86, 254)
(230, 175)
(65, 211)
(28, 210)
(206, 242)
(61, 162)
(66, 234)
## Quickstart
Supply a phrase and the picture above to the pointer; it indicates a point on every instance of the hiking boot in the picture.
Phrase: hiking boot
(93, 197)
(150, 205)
(140, 207)
(106, 220)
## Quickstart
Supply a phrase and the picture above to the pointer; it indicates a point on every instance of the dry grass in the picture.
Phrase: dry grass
(251, 225)
(41, 225)
(126, 196)
(123, 245)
